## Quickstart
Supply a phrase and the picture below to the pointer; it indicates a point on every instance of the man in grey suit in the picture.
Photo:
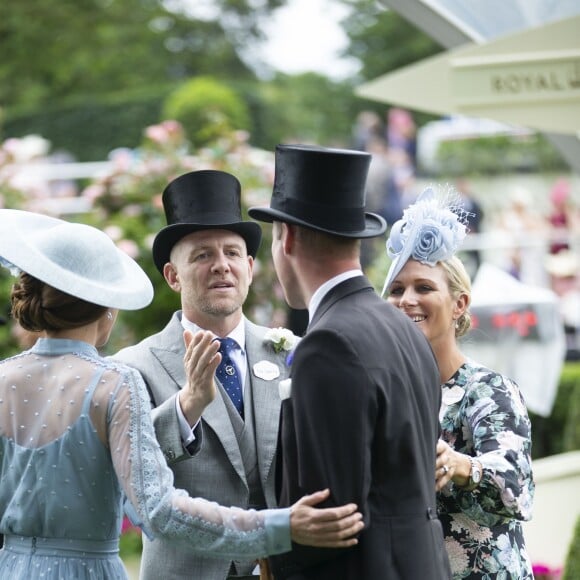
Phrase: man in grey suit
(206, 254)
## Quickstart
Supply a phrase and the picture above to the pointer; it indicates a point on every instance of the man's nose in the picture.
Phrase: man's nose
(221, 262)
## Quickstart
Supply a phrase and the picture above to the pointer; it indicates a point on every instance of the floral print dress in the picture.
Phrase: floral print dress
(484, 415)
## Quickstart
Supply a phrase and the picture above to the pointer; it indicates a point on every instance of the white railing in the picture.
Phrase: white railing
(62, 171)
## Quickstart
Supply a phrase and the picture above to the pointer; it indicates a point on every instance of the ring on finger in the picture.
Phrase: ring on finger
(445, 469)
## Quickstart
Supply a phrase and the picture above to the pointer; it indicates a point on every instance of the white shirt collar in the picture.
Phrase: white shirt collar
(323, 290)
(238, 333)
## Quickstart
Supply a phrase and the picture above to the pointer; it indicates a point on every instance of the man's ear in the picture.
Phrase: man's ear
(251, 268)
(171, 277)
(288, 236)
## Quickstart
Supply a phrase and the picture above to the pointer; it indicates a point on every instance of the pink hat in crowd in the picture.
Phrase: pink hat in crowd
(560, 191)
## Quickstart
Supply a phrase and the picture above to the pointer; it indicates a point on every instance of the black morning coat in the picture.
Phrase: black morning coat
(362, 420)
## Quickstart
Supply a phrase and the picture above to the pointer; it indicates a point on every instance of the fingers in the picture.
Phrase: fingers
(322, 530)
(444, 465)
(328, 514)
(337, 534)
(334, 527)
(342, 537)
(336, 514)
(442, 476)
(314, 498)
(200, 361)
(187, 338)
(201, 356)
(195, 338)
(443, 455)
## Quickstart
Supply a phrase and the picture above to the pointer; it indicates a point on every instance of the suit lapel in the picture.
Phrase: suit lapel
(217, 418)
(265, 395)
(169, 349)
(337, 293)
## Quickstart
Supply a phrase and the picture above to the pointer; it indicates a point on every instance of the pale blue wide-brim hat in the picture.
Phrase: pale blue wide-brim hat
(74, 258)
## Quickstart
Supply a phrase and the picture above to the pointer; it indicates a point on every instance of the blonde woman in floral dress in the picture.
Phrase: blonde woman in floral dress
(483, 472)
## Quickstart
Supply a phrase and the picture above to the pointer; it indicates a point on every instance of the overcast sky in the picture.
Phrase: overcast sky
(306, 35)
(303, 36)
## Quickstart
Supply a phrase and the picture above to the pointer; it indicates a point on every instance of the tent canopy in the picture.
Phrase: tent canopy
(530, 78)
(513, 61)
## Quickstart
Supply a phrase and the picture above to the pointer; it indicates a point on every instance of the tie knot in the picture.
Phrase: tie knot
(227, 345)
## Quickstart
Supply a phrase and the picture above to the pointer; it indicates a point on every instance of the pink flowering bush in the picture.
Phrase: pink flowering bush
(125, 201)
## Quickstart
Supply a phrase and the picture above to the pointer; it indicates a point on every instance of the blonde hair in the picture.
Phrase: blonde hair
(458, 282)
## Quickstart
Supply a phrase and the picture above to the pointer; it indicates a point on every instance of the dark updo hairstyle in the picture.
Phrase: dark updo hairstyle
(38, 307)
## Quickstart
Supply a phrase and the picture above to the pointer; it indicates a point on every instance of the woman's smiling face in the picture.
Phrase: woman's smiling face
(422, 293)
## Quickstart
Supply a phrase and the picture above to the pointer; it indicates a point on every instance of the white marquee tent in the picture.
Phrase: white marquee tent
(516, 61)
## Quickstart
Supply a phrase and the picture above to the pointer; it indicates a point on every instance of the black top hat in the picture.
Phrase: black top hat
(322, 189)
(203, 200)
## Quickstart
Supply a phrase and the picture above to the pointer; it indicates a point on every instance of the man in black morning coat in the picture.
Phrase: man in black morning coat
(360, 411)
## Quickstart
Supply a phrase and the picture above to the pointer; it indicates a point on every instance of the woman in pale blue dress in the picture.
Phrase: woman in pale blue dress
(75, 432)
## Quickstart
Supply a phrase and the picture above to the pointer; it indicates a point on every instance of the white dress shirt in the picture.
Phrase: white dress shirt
(323, 290)
(238, 356)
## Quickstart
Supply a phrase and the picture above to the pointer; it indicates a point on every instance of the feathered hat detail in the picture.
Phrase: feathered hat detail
(430, 231)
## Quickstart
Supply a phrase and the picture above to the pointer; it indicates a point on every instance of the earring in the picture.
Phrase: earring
(109, 315)
(456, 323)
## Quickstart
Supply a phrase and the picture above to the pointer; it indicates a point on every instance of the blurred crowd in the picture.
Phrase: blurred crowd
(392, 143)
(533, 236)
(545, 249)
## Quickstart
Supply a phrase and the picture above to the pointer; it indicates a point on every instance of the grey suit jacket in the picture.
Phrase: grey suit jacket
(216, 472)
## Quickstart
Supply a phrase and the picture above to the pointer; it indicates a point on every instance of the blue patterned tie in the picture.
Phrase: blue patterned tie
(228, 374)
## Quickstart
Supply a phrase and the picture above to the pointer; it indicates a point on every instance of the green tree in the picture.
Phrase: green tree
(88, 75)
(383, 40)
(572, 568)
(58, 49)
(55, 49)
(304, 108)
(207, 109)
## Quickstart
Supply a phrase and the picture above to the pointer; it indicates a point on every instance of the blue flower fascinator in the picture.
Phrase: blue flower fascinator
(430, 231)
